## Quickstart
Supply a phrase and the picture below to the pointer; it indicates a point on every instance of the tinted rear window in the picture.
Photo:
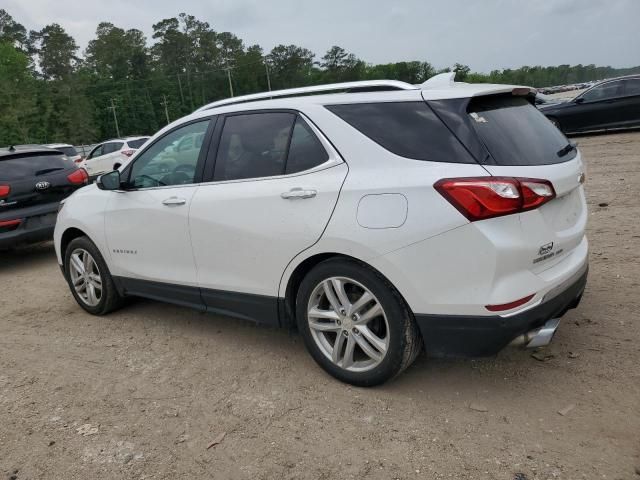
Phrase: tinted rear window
(136, 143)
(68, 151)
(25, 166)
(517, 133)
(408, 129)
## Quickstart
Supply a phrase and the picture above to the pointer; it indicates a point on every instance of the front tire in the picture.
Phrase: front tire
(89, 278)
(354, 323)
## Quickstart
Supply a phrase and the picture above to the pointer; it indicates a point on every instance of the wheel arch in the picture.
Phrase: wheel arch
(67, 237)
(303, 268)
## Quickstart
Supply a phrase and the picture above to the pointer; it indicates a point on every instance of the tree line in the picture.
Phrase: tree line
(51, 92)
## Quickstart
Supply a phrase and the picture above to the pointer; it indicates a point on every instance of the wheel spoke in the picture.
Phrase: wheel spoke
(86, 261)
(338, 286)
(331, 296)
(96, 280)
(324, 314)
(337, 348)
(91, 294)
(361, 302)
(76, 263)
(78, 281)
(347, 360)
(373, 312)
(368, 349)
(324, 326)
(373, 339)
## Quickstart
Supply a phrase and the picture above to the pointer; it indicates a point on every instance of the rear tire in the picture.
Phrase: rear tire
(89, 278)
(355, 324)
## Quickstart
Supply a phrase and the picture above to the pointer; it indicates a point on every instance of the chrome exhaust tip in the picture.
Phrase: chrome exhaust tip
(539, 337)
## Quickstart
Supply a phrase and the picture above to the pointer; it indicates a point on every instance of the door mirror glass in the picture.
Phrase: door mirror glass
(109, 181)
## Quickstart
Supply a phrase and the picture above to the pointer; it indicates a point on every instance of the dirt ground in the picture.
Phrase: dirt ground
(142, 393)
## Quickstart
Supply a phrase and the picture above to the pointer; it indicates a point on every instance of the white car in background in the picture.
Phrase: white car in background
(106, 155)
(69, 150)
(380, 220)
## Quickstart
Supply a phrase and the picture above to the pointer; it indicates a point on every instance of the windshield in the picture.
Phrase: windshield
(517, 133)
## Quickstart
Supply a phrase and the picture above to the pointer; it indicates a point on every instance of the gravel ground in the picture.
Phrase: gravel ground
(144, 392)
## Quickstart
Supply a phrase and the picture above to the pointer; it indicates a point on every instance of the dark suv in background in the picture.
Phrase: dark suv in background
(33, 181)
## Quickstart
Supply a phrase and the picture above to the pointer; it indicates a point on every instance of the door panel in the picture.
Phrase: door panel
(149, 239)
(147, 226)
(244, 233)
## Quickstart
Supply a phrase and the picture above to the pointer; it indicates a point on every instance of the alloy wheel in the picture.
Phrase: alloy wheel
(348, 324)
(85, 277)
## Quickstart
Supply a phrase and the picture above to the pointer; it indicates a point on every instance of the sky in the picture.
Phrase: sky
(484, 34)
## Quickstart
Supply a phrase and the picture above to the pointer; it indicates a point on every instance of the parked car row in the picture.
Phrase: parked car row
(609, 105)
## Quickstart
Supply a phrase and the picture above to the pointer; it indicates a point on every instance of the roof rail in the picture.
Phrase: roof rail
(365, 85)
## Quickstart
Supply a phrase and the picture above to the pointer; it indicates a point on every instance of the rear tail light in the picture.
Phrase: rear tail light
(79, 177)
(510, 305)
(4, 191)
(128, 153)
(479, 198)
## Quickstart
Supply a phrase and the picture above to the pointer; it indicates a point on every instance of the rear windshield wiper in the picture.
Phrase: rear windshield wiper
(48, 170)
(566, 149)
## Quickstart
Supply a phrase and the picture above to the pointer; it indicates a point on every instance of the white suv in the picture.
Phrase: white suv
(381, 220)
(104, 156)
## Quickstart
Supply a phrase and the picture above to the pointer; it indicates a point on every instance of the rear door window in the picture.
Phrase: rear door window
(632, 87)
(517, 133)
(32, 165)
(137, 143)
(305, 151)
(604, 92)
(408, 129)
(253, 145)
(111, 147)
(96, 152)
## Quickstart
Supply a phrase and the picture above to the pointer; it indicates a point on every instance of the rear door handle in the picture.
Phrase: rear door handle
(171, 201)
(295, 193)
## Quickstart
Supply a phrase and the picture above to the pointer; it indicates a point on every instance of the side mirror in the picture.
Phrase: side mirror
(579, 100)
(117, 165)
(109, 181)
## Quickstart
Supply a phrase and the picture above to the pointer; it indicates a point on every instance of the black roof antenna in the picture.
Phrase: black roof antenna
(12, 148)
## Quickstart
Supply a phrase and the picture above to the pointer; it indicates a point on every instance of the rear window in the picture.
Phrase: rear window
(68, 151)
(516, 133)
(32, 165)
(136, 143)
(408, 129)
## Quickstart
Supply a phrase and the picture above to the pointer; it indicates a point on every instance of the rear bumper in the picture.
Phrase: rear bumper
(37, 225)
(476, 336)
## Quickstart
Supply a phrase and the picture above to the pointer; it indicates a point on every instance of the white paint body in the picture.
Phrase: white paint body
(371, 204)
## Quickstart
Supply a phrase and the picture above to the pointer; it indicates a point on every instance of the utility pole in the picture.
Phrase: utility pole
(115, 117)
(266, 67)
(229, 77)
(180, 86)
(164, 104)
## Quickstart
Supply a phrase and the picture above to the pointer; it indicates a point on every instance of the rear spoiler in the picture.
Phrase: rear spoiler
(446, 81)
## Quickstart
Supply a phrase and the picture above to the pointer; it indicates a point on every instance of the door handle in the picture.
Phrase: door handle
(295, 193)
(171, 201)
